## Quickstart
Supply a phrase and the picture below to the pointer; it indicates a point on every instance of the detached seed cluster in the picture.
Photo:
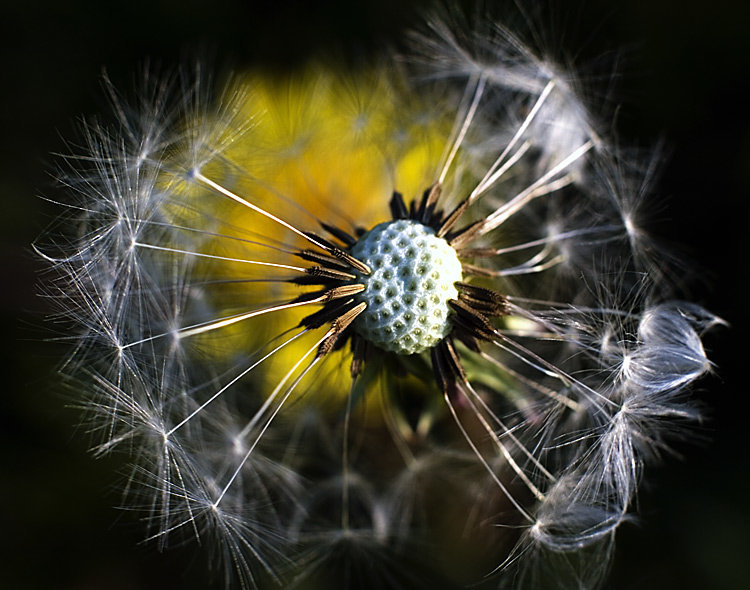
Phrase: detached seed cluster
(413, 277)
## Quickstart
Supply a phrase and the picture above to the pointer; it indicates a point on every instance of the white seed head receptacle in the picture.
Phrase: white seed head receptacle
(413, 277)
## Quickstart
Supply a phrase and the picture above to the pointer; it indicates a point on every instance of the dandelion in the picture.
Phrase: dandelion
(345, 322)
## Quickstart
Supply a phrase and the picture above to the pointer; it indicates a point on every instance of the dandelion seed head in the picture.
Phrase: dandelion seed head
(330, 314)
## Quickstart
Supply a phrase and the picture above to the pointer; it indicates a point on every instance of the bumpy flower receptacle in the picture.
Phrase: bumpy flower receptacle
(413, 277)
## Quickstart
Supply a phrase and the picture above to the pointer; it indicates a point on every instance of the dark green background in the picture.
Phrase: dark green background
(686, 78)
